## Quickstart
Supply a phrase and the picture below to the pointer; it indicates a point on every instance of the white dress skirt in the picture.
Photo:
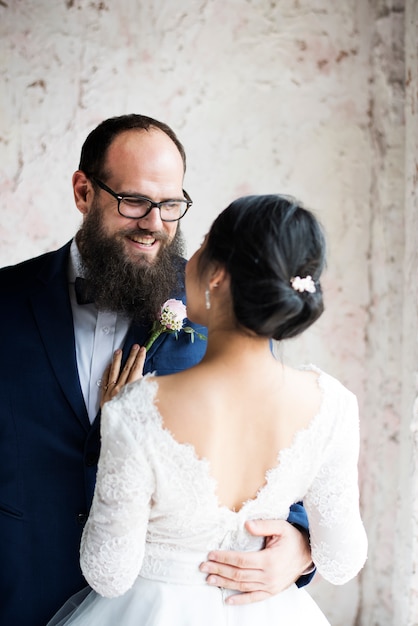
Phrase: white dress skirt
(162, 603)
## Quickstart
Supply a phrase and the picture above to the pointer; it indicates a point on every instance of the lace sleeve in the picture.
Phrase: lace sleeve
(338, 538)
(112, 545)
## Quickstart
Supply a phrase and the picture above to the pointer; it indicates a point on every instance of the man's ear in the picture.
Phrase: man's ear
(83, 192)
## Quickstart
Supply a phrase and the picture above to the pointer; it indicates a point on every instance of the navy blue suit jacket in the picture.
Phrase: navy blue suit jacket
(48, 448)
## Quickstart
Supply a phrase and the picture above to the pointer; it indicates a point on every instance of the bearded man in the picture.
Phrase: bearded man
(62, 317)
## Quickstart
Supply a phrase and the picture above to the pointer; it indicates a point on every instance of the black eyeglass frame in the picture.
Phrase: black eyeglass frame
(119, 197)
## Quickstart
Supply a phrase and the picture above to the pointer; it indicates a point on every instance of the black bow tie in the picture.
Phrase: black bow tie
(83, 291)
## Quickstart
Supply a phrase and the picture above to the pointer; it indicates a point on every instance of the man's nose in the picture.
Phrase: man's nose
(151, 221)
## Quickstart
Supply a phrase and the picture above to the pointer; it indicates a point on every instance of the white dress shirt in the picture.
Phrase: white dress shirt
(97, 335)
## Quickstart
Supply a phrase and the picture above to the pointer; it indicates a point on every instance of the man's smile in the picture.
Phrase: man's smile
(144, 240)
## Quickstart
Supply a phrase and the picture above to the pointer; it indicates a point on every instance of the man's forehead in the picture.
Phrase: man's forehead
(140, 143)
(140, 136)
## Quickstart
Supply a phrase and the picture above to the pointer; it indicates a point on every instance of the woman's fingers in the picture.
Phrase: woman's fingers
(137, 367)
(110, 378)
(114, 379)
(114, 369)
(105, 376)
(104, 387)
(130, 362)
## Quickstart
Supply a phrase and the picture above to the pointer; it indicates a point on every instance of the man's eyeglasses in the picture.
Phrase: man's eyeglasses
(135, 207)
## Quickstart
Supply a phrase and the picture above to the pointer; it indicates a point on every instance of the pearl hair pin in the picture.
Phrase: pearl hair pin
(303, 284)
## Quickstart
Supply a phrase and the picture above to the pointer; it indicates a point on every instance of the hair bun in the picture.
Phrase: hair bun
(274, 251)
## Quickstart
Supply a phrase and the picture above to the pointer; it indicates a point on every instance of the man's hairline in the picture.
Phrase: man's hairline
(150, 128)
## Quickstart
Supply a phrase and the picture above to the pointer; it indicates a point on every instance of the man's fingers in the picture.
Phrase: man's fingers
(247, 598)
(265, 527)
(261, 573)
(242, 560)
(236, 575)
(246, 582)
(240, 580)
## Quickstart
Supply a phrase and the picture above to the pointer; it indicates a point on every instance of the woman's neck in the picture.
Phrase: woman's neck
(234, 346)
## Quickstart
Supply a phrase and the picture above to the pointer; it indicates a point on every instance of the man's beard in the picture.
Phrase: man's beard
(135, 288)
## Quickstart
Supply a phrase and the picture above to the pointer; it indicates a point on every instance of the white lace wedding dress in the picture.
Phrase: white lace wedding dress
(155, 516)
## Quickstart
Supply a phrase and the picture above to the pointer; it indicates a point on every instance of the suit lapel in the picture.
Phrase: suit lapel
(52, 310)
(139, 334)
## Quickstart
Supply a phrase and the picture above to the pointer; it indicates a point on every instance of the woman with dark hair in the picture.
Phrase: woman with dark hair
(189, 458)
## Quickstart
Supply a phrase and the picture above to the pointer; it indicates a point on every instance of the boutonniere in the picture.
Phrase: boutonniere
(171, 320)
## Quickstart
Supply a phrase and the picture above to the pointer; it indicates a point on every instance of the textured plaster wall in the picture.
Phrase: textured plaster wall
(389, 590)
(300, 96)
(405, 570)
(383, 329)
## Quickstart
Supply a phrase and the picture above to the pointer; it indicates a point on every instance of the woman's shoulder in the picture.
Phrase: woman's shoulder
(333, 392)
(134, 404)
(337, 408)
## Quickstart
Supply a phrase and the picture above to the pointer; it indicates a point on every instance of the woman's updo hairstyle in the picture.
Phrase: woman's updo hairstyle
(264, 242)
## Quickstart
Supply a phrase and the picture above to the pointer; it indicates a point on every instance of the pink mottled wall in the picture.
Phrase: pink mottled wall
(301, 96)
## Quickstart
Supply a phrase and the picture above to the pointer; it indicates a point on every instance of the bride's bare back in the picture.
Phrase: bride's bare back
(238, 422)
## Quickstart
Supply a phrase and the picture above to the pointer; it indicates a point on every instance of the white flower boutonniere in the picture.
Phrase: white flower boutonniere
(171, 320)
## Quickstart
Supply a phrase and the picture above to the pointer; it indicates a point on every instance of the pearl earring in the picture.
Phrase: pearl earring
(207, 298)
